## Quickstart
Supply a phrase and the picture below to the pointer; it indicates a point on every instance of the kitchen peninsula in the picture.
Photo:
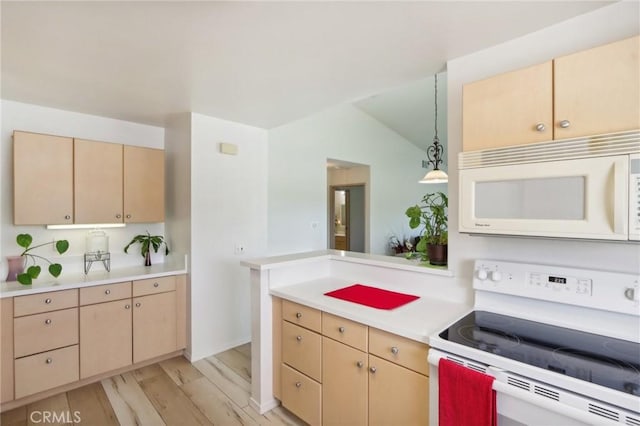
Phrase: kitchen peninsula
(287, 291)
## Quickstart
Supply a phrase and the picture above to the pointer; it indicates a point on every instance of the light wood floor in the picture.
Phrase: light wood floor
(212, 391)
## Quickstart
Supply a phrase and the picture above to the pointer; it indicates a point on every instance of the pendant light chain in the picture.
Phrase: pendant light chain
(436, 106)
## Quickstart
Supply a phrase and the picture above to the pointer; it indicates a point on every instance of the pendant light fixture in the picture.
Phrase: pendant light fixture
(434, 152)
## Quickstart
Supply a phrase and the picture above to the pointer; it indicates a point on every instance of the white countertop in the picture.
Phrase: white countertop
(346, 256)
(415, 320)
(46, 282)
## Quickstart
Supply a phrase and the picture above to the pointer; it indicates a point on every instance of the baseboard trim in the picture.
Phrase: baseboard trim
(264, 407)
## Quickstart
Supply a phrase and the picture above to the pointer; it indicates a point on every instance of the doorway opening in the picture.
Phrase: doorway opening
(347, 230)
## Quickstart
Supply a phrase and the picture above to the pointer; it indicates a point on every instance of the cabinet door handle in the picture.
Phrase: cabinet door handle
(138, 305)
(373, 370)
(47, 300)
(298, 314)
(67, 217)
(107, 292)
(128, 216)
(394, 350)
(156, 284)
(540, 127)
(298, 384)
(49, 360)
(360, 364)
(299, 338)
(118, 216)
(565, 123)
(47, 321)
(127, 306)
(341, 329)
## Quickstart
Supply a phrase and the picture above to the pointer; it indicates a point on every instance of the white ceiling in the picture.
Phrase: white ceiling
(259, 63)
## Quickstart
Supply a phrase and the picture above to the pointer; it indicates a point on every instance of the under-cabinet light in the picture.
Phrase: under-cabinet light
(88, 226)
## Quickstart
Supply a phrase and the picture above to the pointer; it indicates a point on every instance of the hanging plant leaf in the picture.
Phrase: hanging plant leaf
(55, 269)
(62, 246)
(34, 271)
(24, 240)
(24, 279)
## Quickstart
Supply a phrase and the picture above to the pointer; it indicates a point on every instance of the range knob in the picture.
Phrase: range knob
(482, 274)
(496, 276)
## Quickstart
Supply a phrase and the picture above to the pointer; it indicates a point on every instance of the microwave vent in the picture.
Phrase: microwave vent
(564, 149)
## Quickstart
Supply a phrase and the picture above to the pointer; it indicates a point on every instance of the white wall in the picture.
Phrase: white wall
(605, 25)
(33, 118)
(228, 208)
(298, 177)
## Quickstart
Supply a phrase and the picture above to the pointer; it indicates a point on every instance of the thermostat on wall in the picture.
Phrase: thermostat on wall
(228, 148)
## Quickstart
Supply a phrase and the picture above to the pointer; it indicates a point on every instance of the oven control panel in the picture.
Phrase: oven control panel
(611, 291)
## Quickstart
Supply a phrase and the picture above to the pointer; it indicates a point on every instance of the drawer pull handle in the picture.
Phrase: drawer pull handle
(156, 284)
(373, 370)
(298, 314)
(341, 329)
(107, 292)
(49, 361)
(394, 350)
(540, 127)
(299, 338)
(47, 321)
(138, 305)
(127, 306)
(298, 384)
(360, 364)
(565, 123)
(47, 300)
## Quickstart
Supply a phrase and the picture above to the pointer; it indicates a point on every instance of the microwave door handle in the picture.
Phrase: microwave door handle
(620, 195)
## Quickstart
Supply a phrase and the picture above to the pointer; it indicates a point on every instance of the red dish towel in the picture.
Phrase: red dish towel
(466, 397)
(373, 297)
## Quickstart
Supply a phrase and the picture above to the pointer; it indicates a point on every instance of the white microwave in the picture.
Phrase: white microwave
(573, 188)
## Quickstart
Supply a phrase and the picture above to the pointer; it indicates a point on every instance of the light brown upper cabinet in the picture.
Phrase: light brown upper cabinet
(59, 180)
(143, 184)
(598, 90)
(97, 182)
(591, 92)
(508, 109)
(42, 178)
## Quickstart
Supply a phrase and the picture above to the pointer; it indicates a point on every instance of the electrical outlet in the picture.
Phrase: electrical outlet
(314, 225)
(239, 249)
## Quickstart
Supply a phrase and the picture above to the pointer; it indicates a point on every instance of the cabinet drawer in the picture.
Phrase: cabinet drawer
(343, 330)
(302, 315)
(302, 350)
(47, 370)
(301, 395)
(46, 331)
(154, 285)
(44, 302)
(105, 293)
(406, 352)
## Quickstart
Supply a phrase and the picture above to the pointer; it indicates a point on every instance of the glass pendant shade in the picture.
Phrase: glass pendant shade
(435, 176)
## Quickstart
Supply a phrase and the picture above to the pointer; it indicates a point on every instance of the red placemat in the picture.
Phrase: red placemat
(373, 297)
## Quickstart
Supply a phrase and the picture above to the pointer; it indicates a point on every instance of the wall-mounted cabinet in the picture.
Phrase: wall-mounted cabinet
(42, 179)
(586, 93)
(60, 180)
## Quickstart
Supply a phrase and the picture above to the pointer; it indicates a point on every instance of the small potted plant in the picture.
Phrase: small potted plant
(147, 242)
(18, 263)
(434, 237)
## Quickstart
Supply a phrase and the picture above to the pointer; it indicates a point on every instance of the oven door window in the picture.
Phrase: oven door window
(558, 198)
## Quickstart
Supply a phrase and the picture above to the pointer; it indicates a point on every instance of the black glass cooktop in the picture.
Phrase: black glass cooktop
(609, 362)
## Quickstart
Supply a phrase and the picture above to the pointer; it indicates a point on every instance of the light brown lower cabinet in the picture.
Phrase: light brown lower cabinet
(154, 325)
(105, 336)
(49, 341)
(368, 376)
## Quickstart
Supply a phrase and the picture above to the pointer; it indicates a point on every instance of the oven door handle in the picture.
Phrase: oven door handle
(540, 401)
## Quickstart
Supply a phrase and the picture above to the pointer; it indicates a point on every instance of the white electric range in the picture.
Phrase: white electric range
(563, 343)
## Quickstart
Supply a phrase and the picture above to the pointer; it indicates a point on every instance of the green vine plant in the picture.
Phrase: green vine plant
(148, 241)
(33, 271)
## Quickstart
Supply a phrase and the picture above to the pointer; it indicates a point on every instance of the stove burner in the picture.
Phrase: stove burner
(485, 338)
(624, 368)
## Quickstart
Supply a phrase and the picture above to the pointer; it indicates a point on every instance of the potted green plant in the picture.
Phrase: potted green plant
(18, 263)
(147, 242)
(431, 212)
